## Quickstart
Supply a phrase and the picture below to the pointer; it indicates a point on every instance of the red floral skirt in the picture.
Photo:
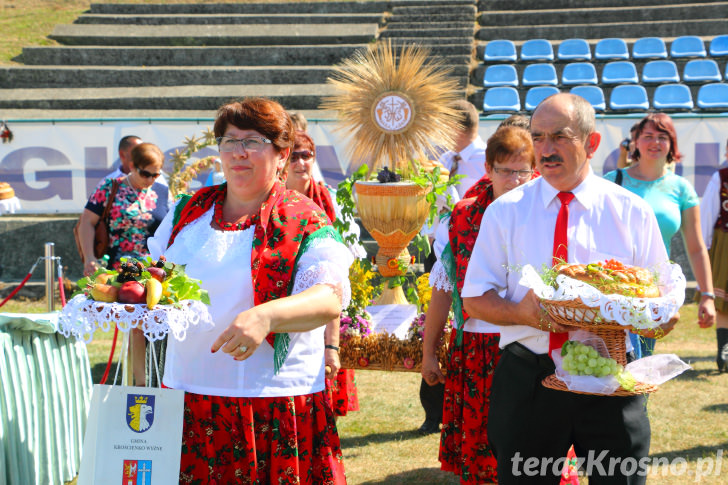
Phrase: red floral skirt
(464, 448)
(264, 440)
(342, 392)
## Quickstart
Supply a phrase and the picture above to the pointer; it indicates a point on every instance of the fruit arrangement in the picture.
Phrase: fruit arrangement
(584, 360)
(154, 283)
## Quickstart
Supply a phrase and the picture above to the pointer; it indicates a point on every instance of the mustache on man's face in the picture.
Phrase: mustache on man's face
(551, 159)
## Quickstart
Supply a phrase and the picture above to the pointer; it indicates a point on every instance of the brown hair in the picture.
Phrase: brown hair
(299, 121)
(145, 154)
(467, 115)
(260, 114)
(304, 140)
(663, 123)
(506, 141)
(516, 120)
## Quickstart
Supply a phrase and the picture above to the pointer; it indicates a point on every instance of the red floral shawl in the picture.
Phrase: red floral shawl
(478, 187)
(319, 193)
(464, 228)
(286, 219)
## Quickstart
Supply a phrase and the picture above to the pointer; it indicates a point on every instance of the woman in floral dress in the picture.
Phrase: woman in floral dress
(276, 271)
(139, 205)
(464, 447)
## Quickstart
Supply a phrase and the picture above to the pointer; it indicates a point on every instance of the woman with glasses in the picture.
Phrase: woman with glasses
(464, 448)
(675, 204)
(276, 271)
(340, 384)
(139, 205)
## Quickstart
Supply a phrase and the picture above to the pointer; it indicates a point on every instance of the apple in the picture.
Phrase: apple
(104, 292)
(132, 292)
(157, 273)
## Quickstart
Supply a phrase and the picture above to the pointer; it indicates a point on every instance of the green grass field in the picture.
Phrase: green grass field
(381, 446)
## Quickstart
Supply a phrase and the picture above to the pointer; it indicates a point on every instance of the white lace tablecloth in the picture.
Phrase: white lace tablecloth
(81, 317)
(9, 206)
(640, 313)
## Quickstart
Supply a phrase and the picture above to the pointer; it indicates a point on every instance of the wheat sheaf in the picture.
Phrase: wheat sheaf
(361, 80)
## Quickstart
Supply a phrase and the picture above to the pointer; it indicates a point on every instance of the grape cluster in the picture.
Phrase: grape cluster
(584, 360)
(130, 271)
(385, 176)
(160, 262)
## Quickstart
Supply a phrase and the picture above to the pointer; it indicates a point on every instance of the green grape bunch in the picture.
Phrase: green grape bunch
(583, 360)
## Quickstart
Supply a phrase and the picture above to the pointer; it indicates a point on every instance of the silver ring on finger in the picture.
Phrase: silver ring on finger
(242, 348)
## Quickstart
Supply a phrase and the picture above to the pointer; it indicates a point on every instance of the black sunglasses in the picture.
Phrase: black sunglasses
(148, 175)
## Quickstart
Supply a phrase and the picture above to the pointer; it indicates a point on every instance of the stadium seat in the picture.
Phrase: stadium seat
(501, 99)
(535, 95)
(611, 49)
(649, 48)
(672, 97)
(574, 50)
(687, 46)
(579, 73)
(537, 50)
(540, 75)
(661, 71)
(500, 75)
(619, 72)
(701, 71)
(500, 51)
(593, 94)
(629, 97)
(719, 46)
(713, 96)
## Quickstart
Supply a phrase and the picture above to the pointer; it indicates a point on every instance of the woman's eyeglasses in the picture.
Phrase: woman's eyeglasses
(148, 175)
(228, 144)
(507, 172)
(304, 155)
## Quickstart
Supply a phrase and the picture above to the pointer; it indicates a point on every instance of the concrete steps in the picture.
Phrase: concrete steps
(222, 19)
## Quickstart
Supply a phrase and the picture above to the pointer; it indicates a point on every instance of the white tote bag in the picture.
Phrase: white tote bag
(133, 436)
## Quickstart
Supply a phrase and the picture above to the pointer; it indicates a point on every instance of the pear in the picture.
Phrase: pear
(154, 292)
(104, 292)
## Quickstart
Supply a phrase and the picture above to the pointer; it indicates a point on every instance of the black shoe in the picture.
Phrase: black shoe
(429, 427)
(722, 357)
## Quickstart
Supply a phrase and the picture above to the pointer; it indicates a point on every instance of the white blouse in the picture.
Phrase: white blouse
(221, 261)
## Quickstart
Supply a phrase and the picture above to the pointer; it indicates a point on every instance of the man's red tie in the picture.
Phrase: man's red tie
(561, 255)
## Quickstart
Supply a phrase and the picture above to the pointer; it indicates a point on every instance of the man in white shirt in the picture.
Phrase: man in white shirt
(468, 156)
(528, 420)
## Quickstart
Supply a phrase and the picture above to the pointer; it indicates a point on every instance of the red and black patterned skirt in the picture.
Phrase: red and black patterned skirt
(464, 447)
(342, 392)
(274, 440)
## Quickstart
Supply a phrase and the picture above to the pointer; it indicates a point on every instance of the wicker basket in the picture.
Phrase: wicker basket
(576, 314)
(382, 351)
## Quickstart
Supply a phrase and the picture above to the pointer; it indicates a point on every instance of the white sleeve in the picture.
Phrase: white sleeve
(488, 265)
(710, 208)
(442, 236)
(326, 261)
(157, 244)
(438, 278)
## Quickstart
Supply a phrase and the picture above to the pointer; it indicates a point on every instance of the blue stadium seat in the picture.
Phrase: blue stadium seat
(701, 71)
(574, 50)
(719, 46)
(713, 96)
(611, 49)
(579, 73)
(649, 48)
(629, 97)
(619, 72)
(500, 51)
(672, 97)
(501, 99)
(540, 75)
(593, 94)
(537, 50)
(688, 46)
(500, 75)
(535, 95)
(661, 71)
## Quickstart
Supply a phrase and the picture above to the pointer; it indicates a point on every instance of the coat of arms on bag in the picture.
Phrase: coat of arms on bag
(140, 415)
(137, 472)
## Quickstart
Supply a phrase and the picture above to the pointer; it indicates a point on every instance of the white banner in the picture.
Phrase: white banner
(54, 166)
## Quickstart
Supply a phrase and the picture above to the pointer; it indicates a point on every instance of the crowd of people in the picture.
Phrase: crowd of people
(267, 380)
